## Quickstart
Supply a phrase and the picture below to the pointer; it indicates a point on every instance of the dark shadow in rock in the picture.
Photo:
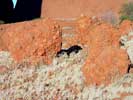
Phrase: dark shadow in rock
(129, 67)
(6, 10)
(27, 10)
(68, 51)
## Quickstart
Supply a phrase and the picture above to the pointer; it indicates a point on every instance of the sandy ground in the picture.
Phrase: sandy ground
(62, 80)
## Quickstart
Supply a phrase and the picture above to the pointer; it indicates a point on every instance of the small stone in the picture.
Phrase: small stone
(125, 85)
(3, 69)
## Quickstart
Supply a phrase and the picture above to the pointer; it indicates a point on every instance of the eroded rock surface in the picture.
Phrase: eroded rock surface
(106, 61)
(102, 42)
(41, 40)
(109, 65)
(33, 40)
(74, 8)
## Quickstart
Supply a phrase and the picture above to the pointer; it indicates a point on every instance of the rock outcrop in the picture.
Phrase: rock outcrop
(74, 8)
(32, 40)
(41, 39)
(106, 61)
(109, 65)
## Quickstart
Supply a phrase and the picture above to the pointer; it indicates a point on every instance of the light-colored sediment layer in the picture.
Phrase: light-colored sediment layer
(62, 80)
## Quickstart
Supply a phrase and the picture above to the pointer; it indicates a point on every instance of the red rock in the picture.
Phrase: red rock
(3, 69)
(34, 40)
(74, 8)
(41, 40)
(125, 94)
(93, 30)
(125, 27)
(106, 61)
(109, 65)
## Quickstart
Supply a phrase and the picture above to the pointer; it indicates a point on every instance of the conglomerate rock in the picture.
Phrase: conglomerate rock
(32, 40)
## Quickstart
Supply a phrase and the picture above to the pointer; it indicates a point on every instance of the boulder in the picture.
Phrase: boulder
(108, 66)
(105, 61)
(32, 40)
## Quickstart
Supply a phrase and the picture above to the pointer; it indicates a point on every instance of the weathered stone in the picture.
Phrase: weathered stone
(102, 41)
(73, 8)
(109, 65)
(125, 27)
(3, 69)
(32, 40)
(106, 61)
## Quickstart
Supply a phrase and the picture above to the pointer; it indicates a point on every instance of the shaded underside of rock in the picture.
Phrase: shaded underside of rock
(33, 40)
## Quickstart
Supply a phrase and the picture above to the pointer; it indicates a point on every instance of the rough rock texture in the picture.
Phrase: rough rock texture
(68, 33)
(102, 41)
(125, 27)
(74, 8)
(105, 57)
(99, 39)
(109, 65)
(32, 40)
(75, 31)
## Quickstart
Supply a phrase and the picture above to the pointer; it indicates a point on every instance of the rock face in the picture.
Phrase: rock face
(125, 27)
(33, 40)
(41, 39)
(109, 65)
(106, 61)
(74, 8)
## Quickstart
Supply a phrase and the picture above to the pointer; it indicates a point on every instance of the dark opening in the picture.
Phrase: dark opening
(129, 67)
(24, 10)
(74, 48)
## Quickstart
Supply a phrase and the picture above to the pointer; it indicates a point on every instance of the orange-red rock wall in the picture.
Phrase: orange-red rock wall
(106, 61)
(35, 40)
(74, 8)
(41, 40)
